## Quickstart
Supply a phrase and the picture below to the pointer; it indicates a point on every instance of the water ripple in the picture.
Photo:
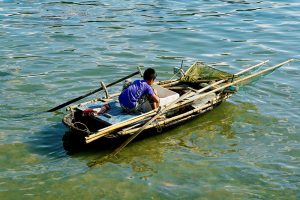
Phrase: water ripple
(53, 51)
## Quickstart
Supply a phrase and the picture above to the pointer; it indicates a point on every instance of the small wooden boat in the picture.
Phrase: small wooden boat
(198, 90)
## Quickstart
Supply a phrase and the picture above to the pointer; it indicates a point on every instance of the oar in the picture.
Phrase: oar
(92, 92)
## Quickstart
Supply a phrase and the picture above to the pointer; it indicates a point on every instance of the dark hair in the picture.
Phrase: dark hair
(149, 74)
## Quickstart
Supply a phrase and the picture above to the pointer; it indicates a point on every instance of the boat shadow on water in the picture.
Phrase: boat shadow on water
(47, 141)
(151, 145)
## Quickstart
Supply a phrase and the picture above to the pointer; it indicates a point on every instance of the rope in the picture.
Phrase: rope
(86, 128)
(158, 127)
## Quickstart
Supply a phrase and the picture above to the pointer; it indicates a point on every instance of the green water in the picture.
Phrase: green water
(52, 51)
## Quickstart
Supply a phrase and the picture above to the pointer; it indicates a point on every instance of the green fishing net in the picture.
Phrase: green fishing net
(200, 72)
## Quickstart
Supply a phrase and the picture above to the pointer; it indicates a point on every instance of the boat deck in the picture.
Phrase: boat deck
(116, 112)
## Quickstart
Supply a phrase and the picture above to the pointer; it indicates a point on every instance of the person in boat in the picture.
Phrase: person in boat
(137, 92)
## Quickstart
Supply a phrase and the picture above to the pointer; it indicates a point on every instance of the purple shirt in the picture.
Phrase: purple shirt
(134, 92)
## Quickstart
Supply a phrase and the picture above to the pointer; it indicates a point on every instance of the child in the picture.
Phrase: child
(131, 96)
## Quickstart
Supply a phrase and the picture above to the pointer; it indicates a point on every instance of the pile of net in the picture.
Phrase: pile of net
(200, 72)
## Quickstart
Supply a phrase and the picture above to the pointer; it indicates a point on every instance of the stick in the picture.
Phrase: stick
(90, 93)
(248, 69)
(105, 89)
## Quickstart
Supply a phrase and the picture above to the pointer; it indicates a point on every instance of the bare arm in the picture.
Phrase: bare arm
(155, 104)
(155, 98)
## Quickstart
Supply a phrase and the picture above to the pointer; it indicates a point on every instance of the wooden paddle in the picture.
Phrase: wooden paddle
(92, 92)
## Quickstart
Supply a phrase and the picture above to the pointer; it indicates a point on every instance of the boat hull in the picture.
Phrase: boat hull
(78, 137)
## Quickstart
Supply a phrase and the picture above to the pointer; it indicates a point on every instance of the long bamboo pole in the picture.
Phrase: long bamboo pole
(230, 84)
(250, 68)
(109, 129)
